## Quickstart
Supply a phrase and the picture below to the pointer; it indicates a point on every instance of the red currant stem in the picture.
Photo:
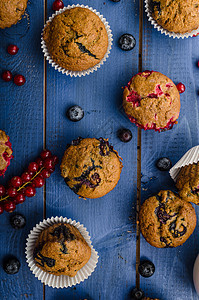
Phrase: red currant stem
(26, 183)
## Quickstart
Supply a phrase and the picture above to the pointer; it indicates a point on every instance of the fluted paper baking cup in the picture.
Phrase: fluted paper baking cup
(90, 70)
(61, 281)
(148, 10)
(190, 157)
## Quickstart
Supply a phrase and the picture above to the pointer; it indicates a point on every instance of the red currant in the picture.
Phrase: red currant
(1, 209)
(16, 181)
(7, 76)
(181, 87)
(45, 173)
(45, 154)
(30, 191)
(26, 176)
(19, 80)
(48, 163)
(58, 4)
(198, 64)
(55, 159)
(51, 170)
(12, 49)
(12, 192)
(39, 161)
(20, 198)
(9, 206)
(33, 167)
(2, 190)
(39, 181)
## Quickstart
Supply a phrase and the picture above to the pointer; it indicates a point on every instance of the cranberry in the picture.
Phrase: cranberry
(39, 161)
(45, 173)
(55, 159)
(1, 209)
(9, 206)
(19, 80)
(26, 176)
(7, 76)
(181, 87)
(58, 4)
(45, 154)
(39, 181)
(16, 181)
(30, 191)
(12, 49)
(49, 163)
(33, 167)
(2, 190)
(12, 192)
(20, 198)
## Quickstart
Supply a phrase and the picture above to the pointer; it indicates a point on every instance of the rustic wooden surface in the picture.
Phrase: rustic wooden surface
(26, 112)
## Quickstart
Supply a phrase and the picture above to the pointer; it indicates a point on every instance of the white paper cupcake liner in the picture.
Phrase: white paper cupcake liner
(62, 281)
(196, 274)
(90, 70)
(148, 10)
(190, 157)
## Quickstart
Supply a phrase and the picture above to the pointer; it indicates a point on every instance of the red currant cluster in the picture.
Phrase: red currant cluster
(7, 75)
(25, 186)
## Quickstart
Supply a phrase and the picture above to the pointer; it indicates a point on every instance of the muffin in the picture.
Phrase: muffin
(11, 12)
(188, 183)
(166, 220)
(5, 152)
(151, 101)
(91, 167)
(61, 250)
(76, 39)
(177, 16)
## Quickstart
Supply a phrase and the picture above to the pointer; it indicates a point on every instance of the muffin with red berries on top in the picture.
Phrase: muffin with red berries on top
(151, 100)
(5, 152)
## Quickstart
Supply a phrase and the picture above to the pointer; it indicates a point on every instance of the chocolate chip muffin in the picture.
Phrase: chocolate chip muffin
(177, 16)
(11, 12)
(91, 167)
(188, 183)
(76, 39)
(5, 152)
(61, 250)
(152, 101)
(166, 220)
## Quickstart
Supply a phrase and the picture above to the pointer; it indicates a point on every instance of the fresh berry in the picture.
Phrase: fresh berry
(127, 42)
(7, 76)
(1, 209)
(2, 190)
(11, 265)
(39, 161)
(164, 164)
(75, 113)
(125, 135)
(33, 167)
(146, 268)
(12, 192)
(45, 154)
(12, 49)
(115, 0)
(19, 80)
(9, 206)
(45, 173)
(181, 87)
(51, 170)
(137, 294)
(30, 191)
(18, 221)
(58, 4)
(39, 181)
(26, 177)
(48, 163)
(55, 159)
(16, 181)
(20, 198)
(198, 64)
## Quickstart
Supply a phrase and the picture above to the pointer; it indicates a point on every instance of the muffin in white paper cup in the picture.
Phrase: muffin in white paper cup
(89, 70)
(149, 11)
(61, 281)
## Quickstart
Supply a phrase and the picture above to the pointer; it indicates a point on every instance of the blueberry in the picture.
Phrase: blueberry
(115, 0)
(137, 294)
(164, 164)
(11, 265)
(125, 135)
(146, 268)
(75, 113)
(18, 221)
(127, 42)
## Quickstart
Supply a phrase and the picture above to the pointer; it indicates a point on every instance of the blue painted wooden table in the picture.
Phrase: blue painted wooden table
(34, 116)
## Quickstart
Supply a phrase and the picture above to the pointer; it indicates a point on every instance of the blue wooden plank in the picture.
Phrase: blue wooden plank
(22, 118)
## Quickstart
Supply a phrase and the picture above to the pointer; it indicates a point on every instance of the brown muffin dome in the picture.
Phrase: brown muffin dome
(11, 12)
(151, 101)
(76, 39)
(61, 250)
(91, 167)
(179, 16)
(166, 220)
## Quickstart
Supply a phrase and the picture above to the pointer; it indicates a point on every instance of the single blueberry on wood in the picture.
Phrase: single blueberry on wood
(18, 221)
(11, 265)
(146, 268)
(75, 113)
(127, 42)
(125, 135)
(137, 294)
(164, 164)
